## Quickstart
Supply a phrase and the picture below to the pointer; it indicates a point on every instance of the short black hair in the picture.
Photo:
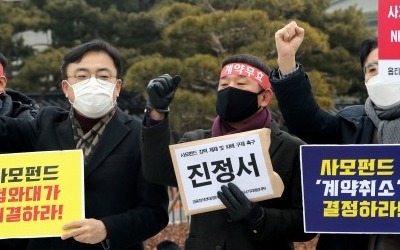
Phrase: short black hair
(76, 54)
(3, 62)
(366, 47)
(247, 59)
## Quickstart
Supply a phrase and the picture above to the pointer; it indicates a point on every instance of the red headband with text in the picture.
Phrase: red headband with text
(248, 71)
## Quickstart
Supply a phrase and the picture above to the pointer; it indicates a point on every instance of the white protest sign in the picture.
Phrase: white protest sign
(203, 166)
(389, 40)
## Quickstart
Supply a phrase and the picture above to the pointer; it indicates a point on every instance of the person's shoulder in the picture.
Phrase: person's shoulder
(53, 113)
(23, 106)
(54, 109)
(17, 96)
(285, 136)
(353, 112)
(126, 118)
(292, 138)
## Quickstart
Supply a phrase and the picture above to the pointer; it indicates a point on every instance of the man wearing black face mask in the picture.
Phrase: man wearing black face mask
(243, 96)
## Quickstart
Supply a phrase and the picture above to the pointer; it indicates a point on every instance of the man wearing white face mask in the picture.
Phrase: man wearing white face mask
(93, 96)
(376, 122)
(122, 209)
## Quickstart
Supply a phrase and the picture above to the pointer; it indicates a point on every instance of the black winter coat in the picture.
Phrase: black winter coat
(213, 230)
(131, 208)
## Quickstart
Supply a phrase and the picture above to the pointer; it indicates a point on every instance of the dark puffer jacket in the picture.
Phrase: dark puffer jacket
(17, 105)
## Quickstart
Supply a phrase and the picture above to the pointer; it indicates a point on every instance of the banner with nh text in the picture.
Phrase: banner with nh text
(389, 40)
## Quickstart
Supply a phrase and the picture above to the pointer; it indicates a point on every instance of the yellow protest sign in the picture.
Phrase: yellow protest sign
(40, 192)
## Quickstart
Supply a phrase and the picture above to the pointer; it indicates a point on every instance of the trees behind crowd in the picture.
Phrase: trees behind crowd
(189, 38)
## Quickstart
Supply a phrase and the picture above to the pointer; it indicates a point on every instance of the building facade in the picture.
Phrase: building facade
(368, 7)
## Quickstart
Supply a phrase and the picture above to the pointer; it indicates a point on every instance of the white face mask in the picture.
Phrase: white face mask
(93, 99)
(384, 95)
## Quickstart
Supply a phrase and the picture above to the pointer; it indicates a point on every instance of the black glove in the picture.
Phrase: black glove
(161, 91)
(240, 208)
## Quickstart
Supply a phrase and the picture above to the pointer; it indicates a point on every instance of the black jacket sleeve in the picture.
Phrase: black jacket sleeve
(301, 112)
(156, 158)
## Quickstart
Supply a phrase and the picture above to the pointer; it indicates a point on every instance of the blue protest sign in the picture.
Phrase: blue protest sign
(351, 188)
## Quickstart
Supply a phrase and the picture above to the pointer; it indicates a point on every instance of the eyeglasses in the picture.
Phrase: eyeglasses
(102, 77)
(371, 68)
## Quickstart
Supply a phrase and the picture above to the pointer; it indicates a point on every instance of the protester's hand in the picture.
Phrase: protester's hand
(240, 208)
(89, 231)
(161, 91)
(287, 41)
